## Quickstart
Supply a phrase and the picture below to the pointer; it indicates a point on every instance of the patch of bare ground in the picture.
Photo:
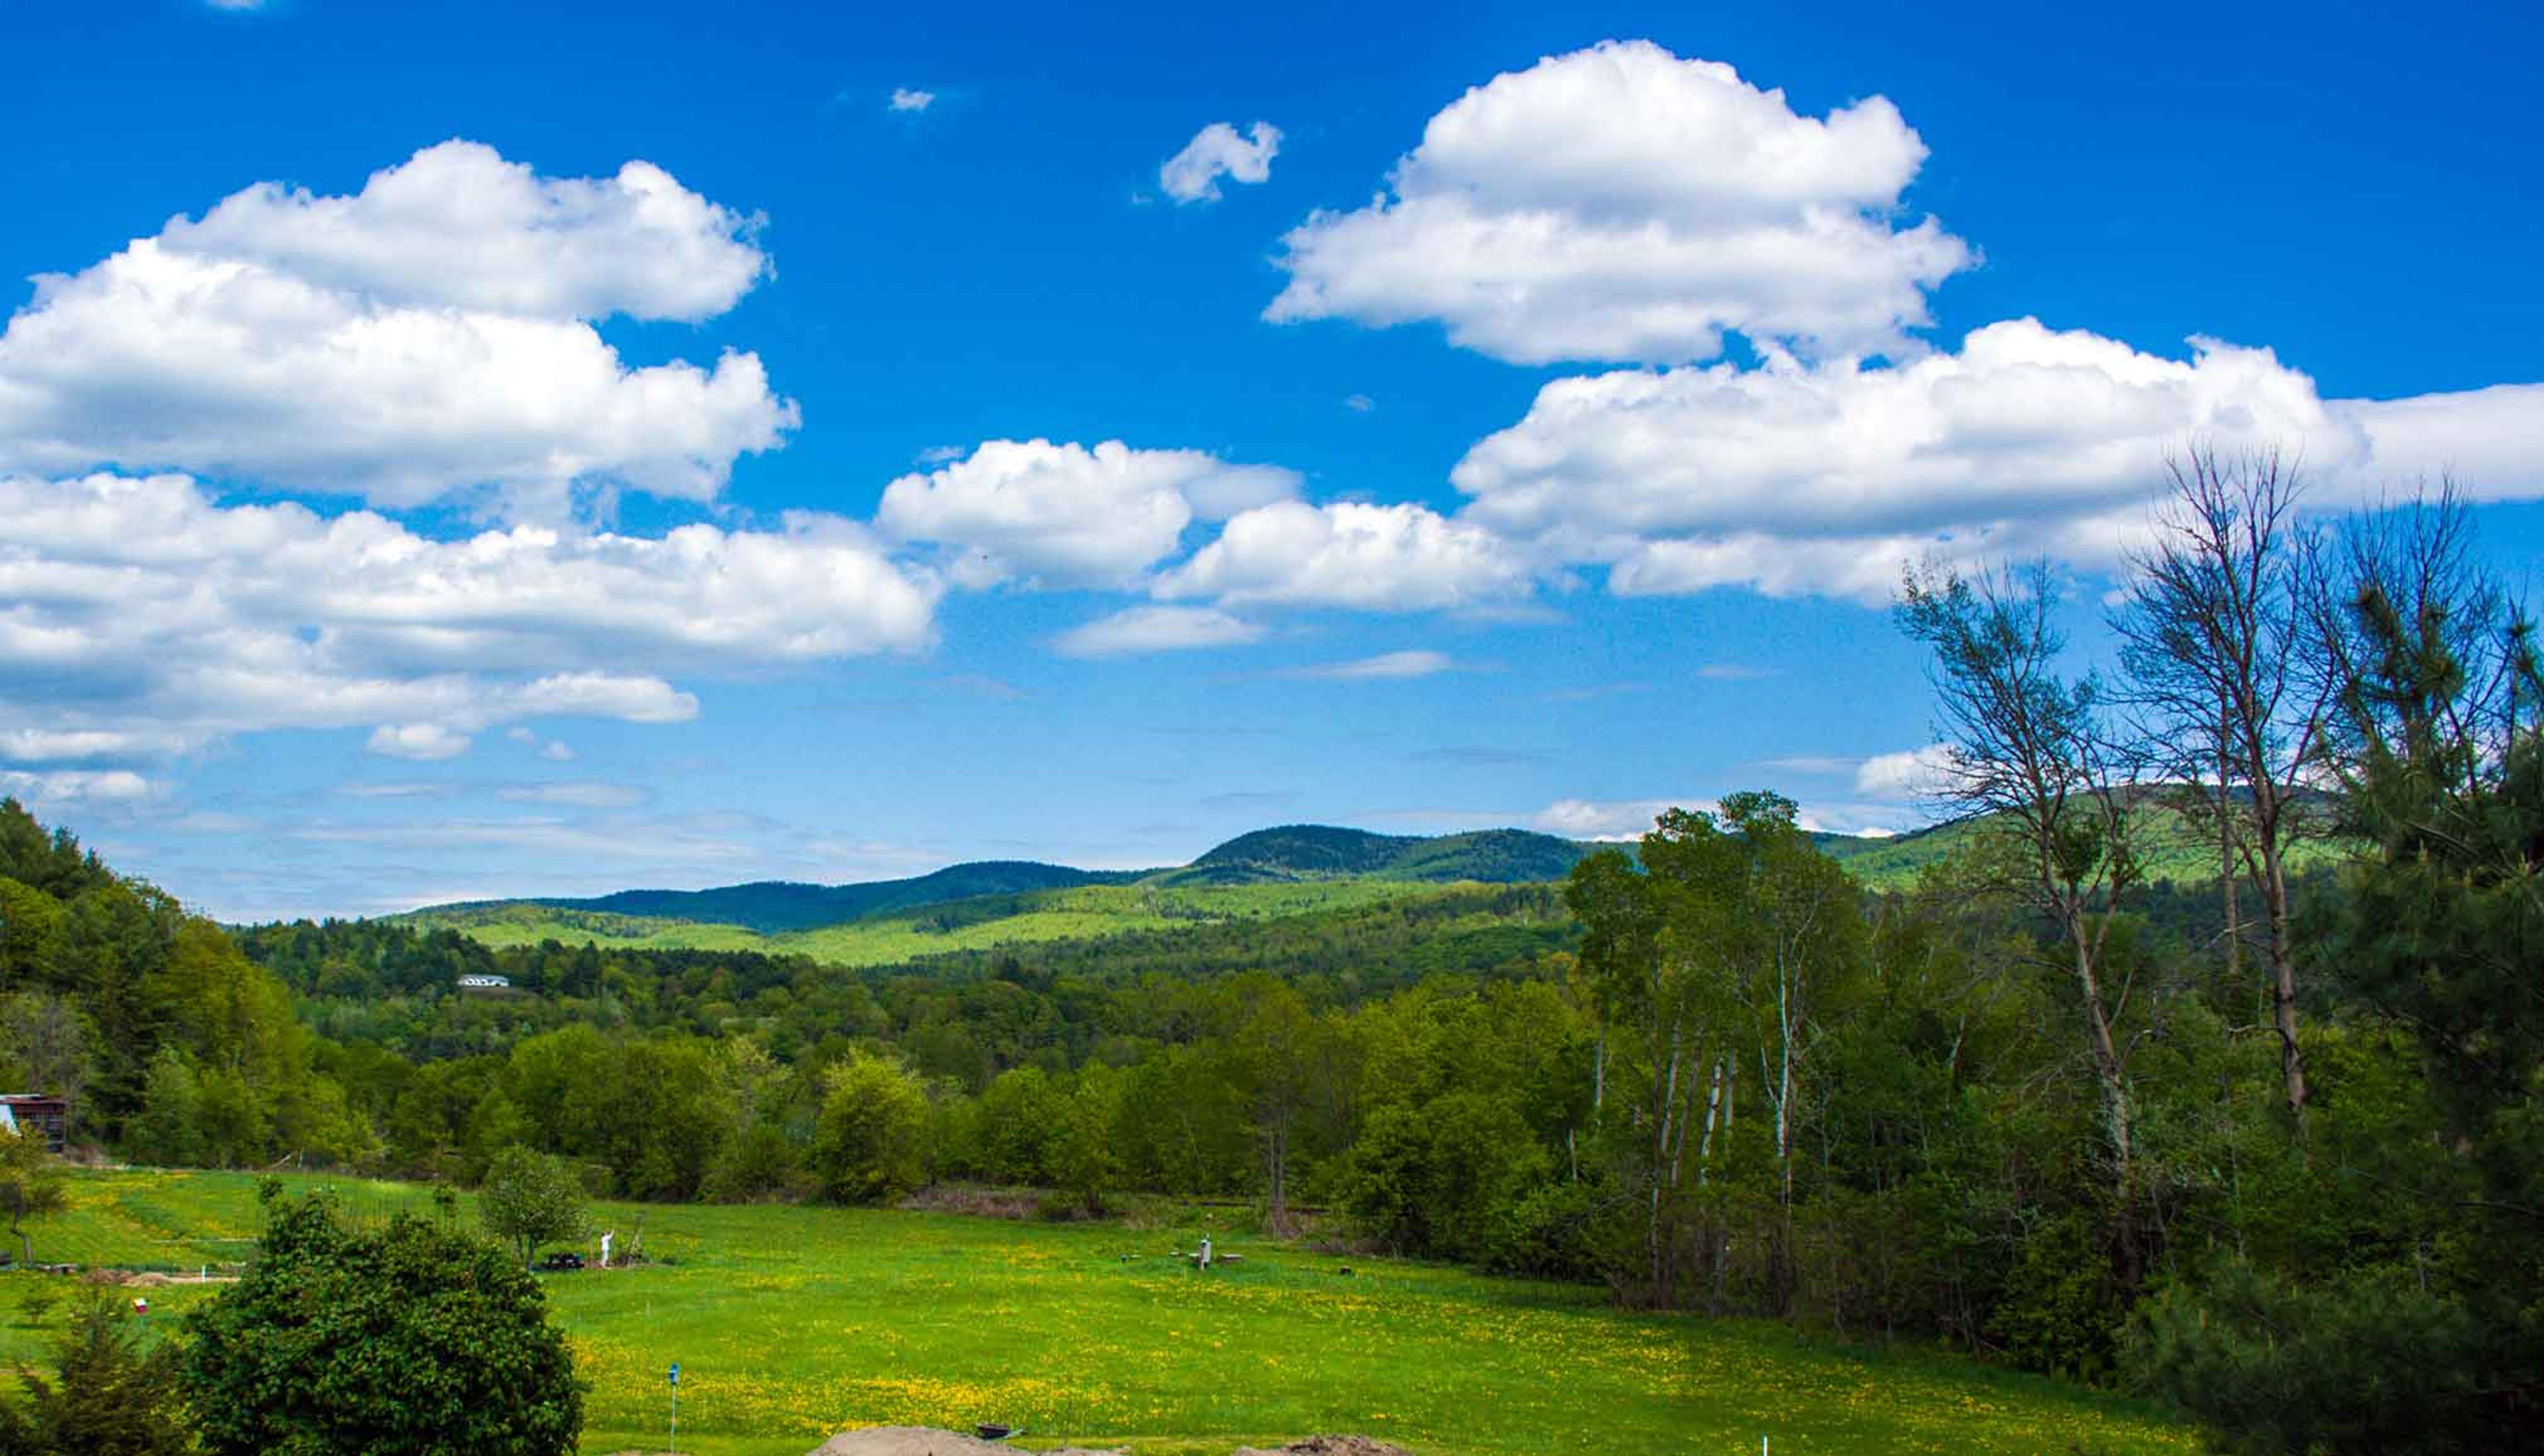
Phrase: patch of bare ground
(921, 1440)
(974, 1202)
(1331, 1446)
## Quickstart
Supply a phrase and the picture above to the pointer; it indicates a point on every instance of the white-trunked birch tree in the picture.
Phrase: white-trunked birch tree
(1726, 940)
(1643, 996)
(1776, 936)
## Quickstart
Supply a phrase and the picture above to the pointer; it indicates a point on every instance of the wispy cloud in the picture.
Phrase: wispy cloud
(1217, 150)
(1386, 667)
(579, 795)
(1139, 630)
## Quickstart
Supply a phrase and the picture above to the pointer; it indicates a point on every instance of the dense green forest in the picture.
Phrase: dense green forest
(2270, 1144)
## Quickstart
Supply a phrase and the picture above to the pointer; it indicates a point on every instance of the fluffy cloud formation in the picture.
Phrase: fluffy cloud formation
(456, 225)
(1595, 819)
(1618, 820)
(2490, 442)
(1378, 558)
(1623, 203)
(1219, 150)
(67, 787)
(431, 337)
(1796, 478)
(1065, 515)
(909, 98)
(1906, 776)
(421, 743)
(143, 618)
(1138, 630)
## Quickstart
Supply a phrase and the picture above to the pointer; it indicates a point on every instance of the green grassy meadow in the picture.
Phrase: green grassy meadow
(793, 1322)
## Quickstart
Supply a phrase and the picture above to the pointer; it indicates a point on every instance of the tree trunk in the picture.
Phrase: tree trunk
(1666, 1104)
(1277, 1165)
(2118, 1114)
(1712, 1110)
(1599, 1077)
(2227, 878)
(2283, 978)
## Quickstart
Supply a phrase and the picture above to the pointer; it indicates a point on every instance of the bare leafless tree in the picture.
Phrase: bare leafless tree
(2218, 635)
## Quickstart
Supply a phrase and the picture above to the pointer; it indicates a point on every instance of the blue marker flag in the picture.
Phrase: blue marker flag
(675, 1373)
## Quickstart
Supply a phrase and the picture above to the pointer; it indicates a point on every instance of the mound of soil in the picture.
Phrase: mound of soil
(1331, 1446)
(922, 1440)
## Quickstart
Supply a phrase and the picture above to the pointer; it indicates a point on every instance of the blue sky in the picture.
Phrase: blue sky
(463, 451)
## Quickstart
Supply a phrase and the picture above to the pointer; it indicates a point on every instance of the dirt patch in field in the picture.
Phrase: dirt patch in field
(1331, 1446)
(922, 1440)
(973, 1201)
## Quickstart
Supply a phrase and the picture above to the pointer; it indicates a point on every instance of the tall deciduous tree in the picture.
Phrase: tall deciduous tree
(2029, 746)
(31, 1184)
(2218, 635)
(1638, 988)
(530, 1200)
(1276, 1053)
(1773, 926)
(871, 1137)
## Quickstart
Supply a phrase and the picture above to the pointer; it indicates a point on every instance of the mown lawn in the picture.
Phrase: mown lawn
(792, 1323)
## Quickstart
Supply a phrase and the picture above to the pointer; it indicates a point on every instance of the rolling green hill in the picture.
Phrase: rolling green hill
(1267, 875)
(1085, 911)
(2173, 845)
(1315, 852)
(1299, 852)
(772, 907)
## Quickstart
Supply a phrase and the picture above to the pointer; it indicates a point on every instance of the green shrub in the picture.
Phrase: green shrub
(409, 1340)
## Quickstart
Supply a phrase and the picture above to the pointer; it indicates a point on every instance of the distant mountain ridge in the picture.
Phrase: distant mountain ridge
(1313, 852)
(1288, 853)
(774, 907)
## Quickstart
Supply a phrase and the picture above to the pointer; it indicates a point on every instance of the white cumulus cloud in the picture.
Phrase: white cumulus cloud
(1068, 514)
(1380, 559)
(431, 337)
(1797, 477)
(911, 99)
(138, 617)
(64, 788)
(1219, 150)
(1604, 818)
(1622, 202)
(1906, 776)
(422, 743)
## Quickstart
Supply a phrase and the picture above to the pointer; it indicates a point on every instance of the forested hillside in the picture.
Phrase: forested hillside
(1263, 876)
(774, 906)
(171, 1045)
